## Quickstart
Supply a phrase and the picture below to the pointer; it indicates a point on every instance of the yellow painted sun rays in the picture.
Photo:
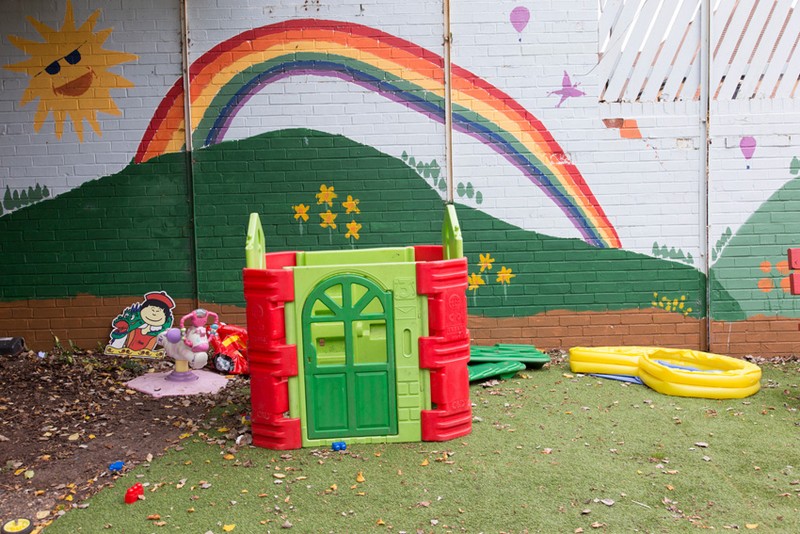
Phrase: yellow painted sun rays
(69, 73)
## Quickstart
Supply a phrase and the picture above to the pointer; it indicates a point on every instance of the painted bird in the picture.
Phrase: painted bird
(567, 90)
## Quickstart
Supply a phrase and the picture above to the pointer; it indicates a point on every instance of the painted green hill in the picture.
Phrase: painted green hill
(124, 234)
(751, 272)
(272, 173)
(132, 232)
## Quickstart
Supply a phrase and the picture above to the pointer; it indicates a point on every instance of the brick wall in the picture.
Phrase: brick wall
(111, 229)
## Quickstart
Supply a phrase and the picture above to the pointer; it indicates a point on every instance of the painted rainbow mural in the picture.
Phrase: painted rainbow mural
(223, 79)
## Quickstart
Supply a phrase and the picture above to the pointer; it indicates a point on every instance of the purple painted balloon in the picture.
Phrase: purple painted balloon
(748, 146)
(519, 17)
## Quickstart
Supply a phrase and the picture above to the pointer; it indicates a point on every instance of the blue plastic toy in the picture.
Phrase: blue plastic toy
(339, 446)
(116, 467)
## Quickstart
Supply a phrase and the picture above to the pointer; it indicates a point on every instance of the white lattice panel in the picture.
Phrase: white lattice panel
(650, 49)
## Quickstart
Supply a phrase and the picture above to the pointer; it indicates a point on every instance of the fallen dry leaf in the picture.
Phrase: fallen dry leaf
(751, 526)
(360, 477)
(153, 517)
(228, 528)
(380, 522)
(424, 462)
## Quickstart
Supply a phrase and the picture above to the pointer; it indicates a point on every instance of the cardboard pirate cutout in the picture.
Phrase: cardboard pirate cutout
(135, 331)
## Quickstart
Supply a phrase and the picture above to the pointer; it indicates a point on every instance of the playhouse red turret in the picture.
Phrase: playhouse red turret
(446, 350)
(272, 360)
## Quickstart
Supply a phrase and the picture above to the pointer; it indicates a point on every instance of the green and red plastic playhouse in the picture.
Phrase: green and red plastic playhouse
(361, 346)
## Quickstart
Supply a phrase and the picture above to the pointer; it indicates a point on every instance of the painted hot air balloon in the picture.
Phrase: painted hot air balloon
(519, 18)
(748, 147)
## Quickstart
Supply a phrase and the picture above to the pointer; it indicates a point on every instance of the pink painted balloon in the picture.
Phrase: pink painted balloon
(519, 17)
(748, 146)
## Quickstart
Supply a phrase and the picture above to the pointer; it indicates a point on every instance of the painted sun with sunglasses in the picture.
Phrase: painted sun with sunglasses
(69, 73)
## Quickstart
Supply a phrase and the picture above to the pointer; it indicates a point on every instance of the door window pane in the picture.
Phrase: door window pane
(329, 344)
(369, 342)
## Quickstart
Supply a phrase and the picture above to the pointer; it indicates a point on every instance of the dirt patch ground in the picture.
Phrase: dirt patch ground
(65, 417)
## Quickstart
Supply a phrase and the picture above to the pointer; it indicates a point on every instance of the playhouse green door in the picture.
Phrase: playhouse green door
(348, 348)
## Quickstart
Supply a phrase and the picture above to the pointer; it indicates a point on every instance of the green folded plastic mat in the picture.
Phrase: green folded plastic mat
(504, 370)
(507, 352)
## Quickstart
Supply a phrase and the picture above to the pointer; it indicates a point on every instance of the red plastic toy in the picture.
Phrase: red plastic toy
(133, 493)
(229, 346)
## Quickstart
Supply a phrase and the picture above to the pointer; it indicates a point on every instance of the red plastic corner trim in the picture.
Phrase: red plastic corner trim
(272, 361)
(428, 252)
(794, 283)
(278, 260)
(445, 352)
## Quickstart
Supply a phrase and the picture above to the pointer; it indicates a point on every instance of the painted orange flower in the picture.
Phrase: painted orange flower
(352, 230)
(300, 212)
(765, 285)
(328, 219)
(351, 205)
(505, 275)
(326, 195)
(786, 284)
(486, 261)
(475, 280)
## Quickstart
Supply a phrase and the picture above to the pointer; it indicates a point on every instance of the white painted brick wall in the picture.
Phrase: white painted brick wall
(651, 188)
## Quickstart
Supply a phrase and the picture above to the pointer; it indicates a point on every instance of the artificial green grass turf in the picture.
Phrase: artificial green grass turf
(547, 448)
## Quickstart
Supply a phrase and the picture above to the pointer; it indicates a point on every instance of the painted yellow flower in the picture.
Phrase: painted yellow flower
(352, 230)
(475, 280)
(300, 212)
(351, 204)
(328, 219)
(326, 195)
(486, 261)
(505, 276)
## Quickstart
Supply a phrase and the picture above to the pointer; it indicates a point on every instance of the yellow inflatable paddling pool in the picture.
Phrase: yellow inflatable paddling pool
(680, 372)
